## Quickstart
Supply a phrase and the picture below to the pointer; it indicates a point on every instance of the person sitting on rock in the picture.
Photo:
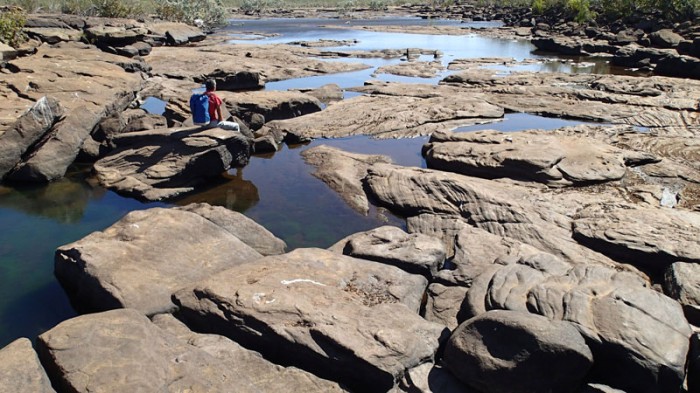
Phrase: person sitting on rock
(215, 115)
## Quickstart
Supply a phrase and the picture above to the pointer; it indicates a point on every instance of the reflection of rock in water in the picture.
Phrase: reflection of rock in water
(234, 193)
(63, 200)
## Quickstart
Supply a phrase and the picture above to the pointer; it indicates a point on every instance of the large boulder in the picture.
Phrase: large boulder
(28, 129)
(665, 38)
(415, 253)
(342, 318)
(343, 172)
(161, 164)
(143, 258)
(20, 370)
(122, 351)
(512, 352)
(639, 337)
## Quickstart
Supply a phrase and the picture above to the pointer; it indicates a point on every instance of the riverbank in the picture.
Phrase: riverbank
(579, 242)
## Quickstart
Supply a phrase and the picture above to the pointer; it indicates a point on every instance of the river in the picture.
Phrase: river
(276, 190)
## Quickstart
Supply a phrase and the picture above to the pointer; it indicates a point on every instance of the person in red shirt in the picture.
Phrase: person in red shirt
(217, 119)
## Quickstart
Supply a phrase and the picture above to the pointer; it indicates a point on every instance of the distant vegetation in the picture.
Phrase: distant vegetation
(213, 12)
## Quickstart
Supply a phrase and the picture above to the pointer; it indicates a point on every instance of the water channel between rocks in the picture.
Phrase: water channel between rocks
(277, 190)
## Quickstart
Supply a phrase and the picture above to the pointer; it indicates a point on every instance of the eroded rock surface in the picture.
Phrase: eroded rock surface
(550, 159)
(343, 172)
(682, 282)
(159, 357)
(146, 256)
(668, 105)
(403, 112)
(88, 83)
(641, 332)
(344, 318)
(500, 208)
(28, 129)
(216, 57)
(160, 164)
(20, 370)
(652, 238)
(506, 351)
(240, 226)
(415, 253)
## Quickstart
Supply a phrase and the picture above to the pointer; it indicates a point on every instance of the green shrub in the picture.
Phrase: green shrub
(210, 12)
(79, 7)
(12, 21)
(581, 10)
(538, 7)
(673, 9)
(118, 8)
(377, 5)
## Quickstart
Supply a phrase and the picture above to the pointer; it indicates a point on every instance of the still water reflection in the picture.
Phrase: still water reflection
(278, 191)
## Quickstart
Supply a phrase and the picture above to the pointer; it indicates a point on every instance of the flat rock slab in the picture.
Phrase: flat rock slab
(656, 102)
(160, 164)
(403, 113)
(122, 351)
(415, 69)
(343, 172)
(551, 159)
(649, 238)
(20, 370)
(272, 105)
(217, 57)
(342, 318)
(143, 258)
(415, 253)
(512, 352)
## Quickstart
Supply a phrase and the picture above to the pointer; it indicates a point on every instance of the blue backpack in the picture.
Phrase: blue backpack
(199, 105)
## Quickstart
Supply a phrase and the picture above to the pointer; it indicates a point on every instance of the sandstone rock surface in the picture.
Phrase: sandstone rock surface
(550, 159)
(20, 370)
(143, 258)
(160, 164)
(406, 113)
(145, 357)
(415, 253)
(506, 351)
(347, 319)
(651, 238)
(682, 282)
(28, 129)
(343, 172)
(240, 226)
(88, 83)
(502, 209)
